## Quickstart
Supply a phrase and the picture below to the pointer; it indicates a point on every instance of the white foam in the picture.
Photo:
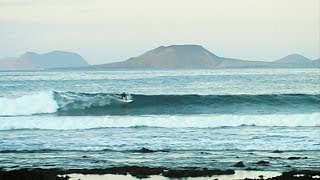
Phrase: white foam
(41, 102)
(196, 121)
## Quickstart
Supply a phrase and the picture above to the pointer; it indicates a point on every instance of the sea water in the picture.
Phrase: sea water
(189, 118)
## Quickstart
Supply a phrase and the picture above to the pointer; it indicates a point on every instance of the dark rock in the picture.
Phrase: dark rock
(294, 158)
(13, 167)
(239, 164)
(260, 176)
(277, 151)
(144, 171)
(145, 150)
(142, 176)
(306, 174)
(164, 150)
(204, 153)
(31, 174)
(136, 171)
(263, 163)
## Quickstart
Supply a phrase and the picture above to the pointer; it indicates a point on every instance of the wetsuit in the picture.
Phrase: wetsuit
(124, 96)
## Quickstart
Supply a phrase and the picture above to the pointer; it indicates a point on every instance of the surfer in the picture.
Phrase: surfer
(124, 96)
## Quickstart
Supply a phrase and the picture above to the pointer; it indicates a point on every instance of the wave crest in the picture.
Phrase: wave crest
(99, 104)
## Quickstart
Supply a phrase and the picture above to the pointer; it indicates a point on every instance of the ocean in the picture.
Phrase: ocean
(186, 118)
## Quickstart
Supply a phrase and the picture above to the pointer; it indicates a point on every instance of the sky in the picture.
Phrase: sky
(104, 31)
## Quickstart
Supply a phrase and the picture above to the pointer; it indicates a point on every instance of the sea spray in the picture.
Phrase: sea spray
(37, 103)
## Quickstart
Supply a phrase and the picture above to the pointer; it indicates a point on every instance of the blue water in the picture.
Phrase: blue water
(200, 118)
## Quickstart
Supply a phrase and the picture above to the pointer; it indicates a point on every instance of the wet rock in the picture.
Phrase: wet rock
(143, 171)
(303, 175)
(31, 174)
(277, 151)
(263, 163)
(136, 171)
(239, 164)
(13, 167)
(294, 158)
(204, 153)
(145, 150)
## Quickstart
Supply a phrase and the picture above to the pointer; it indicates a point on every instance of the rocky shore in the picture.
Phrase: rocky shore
(138, 172)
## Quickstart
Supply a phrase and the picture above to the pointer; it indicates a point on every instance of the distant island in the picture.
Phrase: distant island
(170, 57)
(195, 56)
(34, 61)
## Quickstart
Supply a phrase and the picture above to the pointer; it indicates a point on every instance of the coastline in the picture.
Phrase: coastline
(237, 175)
(136, 172)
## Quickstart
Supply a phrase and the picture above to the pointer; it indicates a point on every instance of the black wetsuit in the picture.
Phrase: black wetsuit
(124, 96)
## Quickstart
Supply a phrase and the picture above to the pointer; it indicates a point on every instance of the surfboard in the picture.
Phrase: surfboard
(119, 98)
(126, 101)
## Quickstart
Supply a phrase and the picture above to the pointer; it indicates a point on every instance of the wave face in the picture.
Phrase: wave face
(71, 103)
(84, 104)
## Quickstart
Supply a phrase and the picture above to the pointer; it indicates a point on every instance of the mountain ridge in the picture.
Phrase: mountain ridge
(195, 56)
(294, 58)
(35, 61)
(163, 57)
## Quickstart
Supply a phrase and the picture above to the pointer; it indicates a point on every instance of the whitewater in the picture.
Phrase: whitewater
(201, 118)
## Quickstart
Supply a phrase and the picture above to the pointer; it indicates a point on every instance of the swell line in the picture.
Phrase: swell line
(99, 104)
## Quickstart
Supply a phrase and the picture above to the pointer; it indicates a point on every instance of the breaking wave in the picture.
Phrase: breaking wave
(41, 102)
(100, 104)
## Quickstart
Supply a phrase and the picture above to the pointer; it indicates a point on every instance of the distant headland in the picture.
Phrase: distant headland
(34, 61)
(169, 57)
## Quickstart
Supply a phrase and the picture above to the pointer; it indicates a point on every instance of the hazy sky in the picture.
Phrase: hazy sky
(114, 30)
